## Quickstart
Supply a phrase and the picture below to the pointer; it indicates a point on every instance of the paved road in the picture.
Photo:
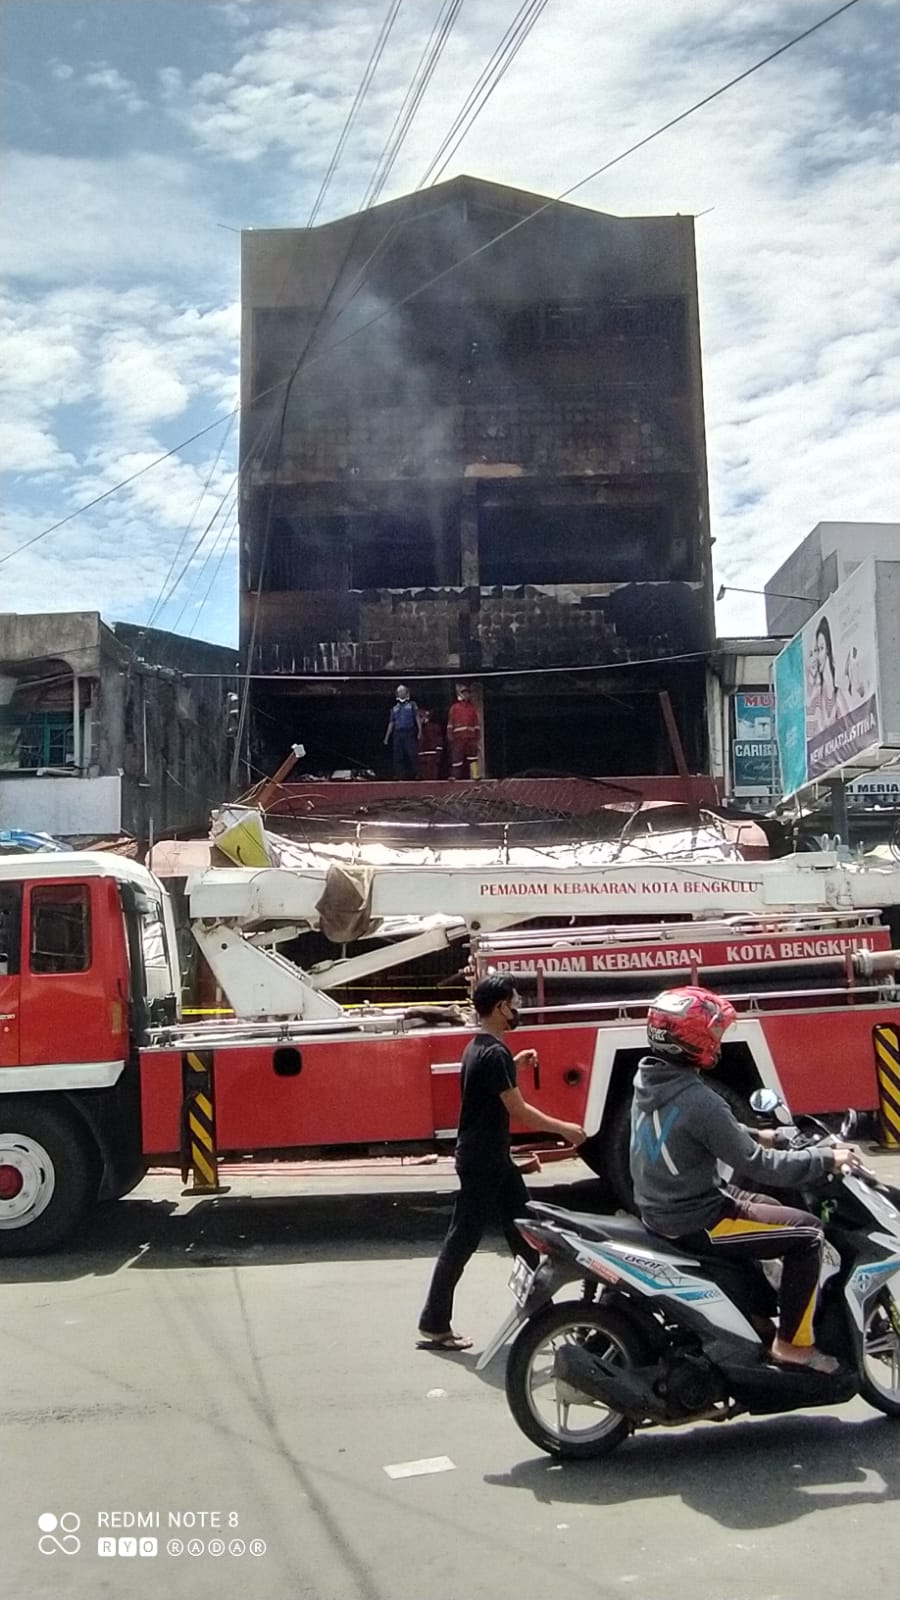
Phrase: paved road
(253, 1357)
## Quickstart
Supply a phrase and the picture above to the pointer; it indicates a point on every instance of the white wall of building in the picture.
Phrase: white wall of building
(62, 805)
(820, 564)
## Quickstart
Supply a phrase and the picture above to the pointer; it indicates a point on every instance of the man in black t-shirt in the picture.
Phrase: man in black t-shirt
(489, 1184)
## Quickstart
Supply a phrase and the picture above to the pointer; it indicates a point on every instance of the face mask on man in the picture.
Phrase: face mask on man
(512, 1015)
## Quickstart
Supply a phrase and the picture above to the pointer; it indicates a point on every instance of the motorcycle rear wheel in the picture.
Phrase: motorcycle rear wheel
(531, 1390)
(880, 1367)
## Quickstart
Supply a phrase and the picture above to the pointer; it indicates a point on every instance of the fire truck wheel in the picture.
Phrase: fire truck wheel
(47, 1178)
(618, 1158)
(593, 1154)
(614, 1155)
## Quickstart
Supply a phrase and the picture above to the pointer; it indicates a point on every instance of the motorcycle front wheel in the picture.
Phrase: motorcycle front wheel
(880, 1369)
(579, 1429)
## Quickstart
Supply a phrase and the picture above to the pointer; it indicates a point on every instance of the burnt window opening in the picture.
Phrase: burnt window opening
(393, 552)
(596, 735)
(383, 550)
(578, 544)
(611, 345)
(568, 322)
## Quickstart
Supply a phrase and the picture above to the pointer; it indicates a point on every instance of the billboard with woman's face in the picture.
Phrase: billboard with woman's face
(830, 715)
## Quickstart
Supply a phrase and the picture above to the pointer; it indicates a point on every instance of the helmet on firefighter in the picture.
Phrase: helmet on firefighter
(687, 1025)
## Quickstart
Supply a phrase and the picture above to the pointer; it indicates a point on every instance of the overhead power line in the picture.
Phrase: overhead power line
(162, 598)
(364, 85)
(497, 65)
(547, 205)
(122, 484)
(215, 575)
(301, 361)
(222, 533)
(454, 266)
(198, 546)
(431, 55)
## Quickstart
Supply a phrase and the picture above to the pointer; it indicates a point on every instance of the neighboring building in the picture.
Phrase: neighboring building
(820, 564)
(744, 759)
(505, 470)
(102, 732)
(832, 641)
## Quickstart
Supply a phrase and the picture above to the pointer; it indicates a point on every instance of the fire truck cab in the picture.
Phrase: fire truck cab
(87, 967)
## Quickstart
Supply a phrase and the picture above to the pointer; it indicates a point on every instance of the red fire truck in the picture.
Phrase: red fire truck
(101, 1078)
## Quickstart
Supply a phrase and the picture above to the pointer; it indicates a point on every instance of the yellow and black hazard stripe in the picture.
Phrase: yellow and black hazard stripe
(199, 1157)
(887, 1067)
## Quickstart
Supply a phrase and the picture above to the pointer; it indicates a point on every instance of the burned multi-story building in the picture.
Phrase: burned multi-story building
(473, 445)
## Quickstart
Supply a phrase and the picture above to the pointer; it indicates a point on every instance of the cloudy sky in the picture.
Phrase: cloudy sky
(140, 136)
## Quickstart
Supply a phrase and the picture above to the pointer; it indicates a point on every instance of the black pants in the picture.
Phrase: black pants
(406, 755)
(483, 1198)
(753, 1227)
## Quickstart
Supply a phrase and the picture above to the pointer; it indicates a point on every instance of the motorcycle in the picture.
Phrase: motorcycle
(662, 1339)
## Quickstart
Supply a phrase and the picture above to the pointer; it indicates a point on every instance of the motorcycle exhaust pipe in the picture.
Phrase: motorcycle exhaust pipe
(615, 1387)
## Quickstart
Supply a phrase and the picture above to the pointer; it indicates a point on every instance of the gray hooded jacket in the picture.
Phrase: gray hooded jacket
(680, 1130)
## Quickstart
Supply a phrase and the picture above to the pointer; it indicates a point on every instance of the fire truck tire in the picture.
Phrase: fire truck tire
(47, 1177)
(593, 1154)
(615, 1151)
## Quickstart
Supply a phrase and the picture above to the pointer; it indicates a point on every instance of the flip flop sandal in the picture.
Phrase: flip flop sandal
(442, 1341)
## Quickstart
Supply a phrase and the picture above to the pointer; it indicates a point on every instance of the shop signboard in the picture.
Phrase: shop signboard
(826, 686)
(753, 757)
(790, 719)
(882, 790)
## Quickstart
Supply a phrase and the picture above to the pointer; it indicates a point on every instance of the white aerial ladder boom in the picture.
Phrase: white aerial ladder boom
(237, 911)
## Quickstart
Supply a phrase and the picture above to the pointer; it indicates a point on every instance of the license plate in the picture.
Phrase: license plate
(521, 1280)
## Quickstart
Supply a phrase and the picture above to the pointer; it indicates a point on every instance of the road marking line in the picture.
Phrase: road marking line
(418, 1469)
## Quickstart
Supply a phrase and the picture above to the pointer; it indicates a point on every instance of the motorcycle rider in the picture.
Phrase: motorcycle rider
(681, 1129)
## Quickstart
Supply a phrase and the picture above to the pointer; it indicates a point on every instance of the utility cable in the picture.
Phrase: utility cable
(457, 674)
(122, 484)
(301, 361)
(431, 55)
(453, 267)
(215, 576)
(198, 545)
(212, 552)
(496, 67)
(547, 205)
(159, 602)
(365, 82)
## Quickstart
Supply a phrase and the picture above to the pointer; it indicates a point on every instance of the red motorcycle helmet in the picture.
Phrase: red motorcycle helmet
(687, 1024)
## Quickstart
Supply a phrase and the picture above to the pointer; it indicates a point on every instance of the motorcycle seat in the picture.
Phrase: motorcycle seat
(742, 1281)
(619, 1230)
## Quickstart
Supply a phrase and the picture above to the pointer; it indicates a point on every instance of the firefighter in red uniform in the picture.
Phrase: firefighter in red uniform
(463, 734)
(431, 745)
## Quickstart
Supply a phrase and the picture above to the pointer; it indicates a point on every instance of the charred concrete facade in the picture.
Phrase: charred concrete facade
(504, 470)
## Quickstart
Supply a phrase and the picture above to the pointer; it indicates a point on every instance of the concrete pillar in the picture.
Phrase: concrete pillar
(839, 822)
(718, 731)
(468, 537)
(76, 722)
(478, 700)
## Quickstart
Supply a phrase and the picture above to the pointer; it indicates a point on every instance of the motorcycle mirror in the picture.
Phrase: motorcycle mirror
(850, 1124)
(765, 1102)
